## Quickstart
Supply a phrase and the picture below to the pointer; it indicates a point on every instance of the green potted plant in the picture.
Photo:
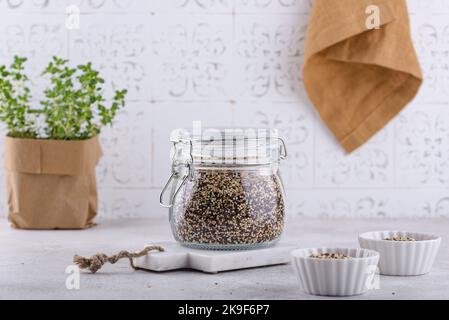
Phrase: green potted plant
(52, 149)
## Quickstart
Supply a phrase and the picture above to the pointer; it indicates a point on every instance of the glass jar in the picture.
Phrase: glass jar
(225, 192)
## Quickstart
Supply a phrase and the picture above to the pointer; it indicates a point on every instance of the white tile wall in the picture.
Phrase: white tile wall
(238, 62)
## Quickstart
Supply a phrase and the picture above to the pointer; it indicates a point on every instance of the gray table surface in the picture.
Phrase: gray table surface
(33, 264)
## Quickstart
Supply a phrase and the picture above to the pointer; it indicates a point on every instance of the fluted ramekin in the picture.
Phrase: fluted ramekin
(338, 277)
(402, 258)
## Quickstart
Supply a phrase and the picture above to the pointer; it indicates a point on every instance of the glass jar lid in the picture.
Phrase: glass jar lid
(227, 147)
(220, 147)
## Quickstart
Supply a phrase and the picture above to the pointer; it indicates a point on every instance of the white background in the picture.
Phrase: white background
(238, 62)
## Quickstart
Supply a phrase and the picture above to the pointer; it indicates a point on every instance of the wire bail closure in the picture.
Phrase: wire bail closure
(283, 154)
(174, 176)
(283, 149)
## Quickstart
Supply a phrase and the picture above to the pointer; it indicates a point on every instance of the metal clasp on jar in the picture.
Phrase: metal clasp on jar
(176, 173)
(283, 149)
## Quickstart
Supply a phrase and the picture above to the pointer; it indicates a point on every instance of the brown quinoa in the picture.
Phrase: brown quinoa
(229, 207)
(400, 238)
(330, 256)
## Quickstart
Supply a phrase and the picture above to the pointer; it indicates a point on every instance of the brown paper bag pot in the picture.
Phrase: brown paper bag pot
(51, 184)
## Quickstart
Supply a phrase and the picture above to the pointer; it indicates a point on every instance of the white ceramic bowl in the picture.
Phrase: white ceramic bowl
(344, 277)
(402, 258)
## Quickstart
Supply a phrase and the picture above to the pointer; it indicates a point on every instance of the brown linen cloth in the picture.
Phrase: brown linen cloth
(357, 78)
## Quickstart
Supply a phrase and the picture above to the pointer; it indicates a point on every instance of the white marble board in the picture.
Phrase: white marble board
(177, 257)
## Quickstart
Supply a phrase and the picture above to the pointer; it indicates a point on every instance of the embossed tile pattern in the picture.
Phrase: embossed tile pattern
(238, 62)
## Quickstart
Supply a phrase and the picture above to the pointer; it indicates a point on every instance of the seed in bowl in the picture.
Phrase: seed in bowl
(330, 256)
(399, 238)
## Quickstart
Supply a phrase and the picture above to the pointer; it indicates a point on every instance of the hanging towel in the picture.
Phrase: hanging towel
(359, 78)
